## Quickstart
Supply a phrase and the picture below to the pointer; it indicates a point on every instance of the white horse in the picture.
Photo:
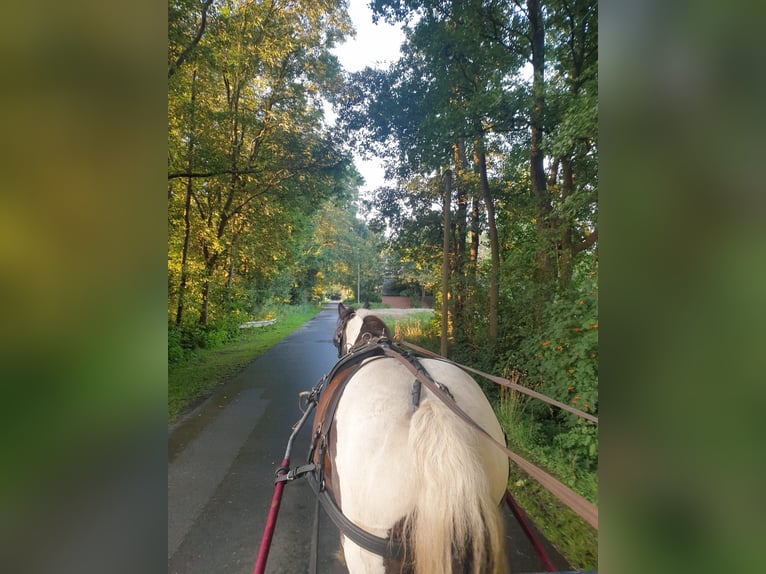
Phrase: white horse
(414, 472)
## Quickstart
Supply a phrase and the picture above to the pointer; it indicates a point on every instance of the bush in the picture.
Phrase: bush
(184, 340)
(176, 352)
(562, 362)
(371, 296)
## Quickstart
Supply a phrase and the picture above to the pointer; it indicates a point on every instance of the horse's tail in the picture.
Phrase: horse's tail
(455, 516)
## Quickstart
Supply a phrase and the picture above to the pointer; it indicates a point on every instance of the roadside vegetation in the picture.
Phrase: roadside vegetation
(197, 373)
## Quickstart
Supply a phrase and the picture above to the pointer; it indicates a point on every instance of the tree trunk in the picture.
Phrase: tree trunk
(544, 257)
(444, 349)
(187, 208)
(460, 294)
(210, 260)
(232, 266)
(566, 250)
(211, 255)
(462, 205)
(204, 311)
(173, 68)
(184, 255)
(473, 254)
(494, 274)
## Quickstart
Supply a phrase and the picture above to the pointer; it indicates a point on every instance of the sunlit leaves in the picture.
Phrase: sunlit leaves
(249, 148)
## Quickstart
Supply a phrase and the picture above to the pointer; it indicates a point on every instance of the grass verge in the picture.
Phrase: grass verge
(193, 380)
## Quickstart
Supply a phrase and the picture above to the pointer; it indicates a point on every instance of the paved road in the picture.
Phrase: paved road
(222, 460)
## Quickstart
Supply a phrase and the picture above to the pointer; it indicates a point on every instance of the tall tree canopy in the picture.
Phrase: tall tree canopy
(250, 158)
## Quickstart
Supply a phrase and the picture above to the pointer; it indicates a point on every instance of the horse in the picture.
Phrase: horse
(409, 470)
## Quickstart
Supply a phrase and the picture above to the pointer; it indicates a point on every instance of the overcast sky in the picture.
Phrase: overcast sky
(375, 45)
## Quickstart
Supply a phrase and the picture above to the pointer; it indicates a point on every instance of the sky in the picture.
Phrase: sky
(375, 45)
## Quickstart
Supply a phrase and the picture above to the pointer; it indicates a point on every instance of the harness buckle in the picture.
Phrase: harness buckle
(294, 473)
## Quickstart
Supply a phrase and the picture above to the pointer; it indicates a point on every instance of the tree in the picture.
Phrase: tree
(249, 157)
(574, 34)
(446, 207)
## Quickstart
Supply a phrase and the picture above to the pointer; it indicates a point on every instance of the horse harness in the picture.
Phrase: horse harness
(326, 396)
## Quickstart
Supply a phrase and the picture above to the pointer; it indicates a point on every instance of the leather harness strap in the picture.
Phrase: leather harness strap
(359, 536)
(322, 485)
(337, 380)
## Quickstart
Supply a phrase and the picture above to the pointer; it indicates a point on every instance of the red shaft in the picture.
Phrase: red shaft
(271, 522)
(527, 528)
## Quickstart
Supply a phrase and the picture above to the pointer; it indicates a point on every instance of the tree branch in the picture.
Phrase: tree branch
(218, 173)
(585, 243)
(185, 54)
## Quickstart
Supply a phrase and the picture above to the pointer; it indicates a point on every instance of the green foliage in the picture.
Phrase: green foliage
(250, 160)
(560, 359)
(176, 351)
(527, 436)
(184, 340)
(200, 370)
(575, 539)
(420, 328)
(341, 252)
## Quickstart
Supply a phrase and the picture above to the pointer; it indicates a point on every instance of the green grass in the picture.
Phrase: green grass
(574, 538)
(193, 380)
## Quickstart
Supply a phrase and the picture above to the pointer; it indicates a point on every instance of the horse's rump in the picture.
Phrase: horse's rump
(423, 470)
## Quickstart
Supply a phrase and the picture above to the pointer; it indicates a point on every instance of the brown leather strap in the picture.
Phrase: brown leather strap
(587, 510)
(389, 546)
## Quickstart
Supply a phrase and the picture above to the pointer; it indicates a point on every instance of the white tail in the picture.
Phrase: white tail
(455, 515)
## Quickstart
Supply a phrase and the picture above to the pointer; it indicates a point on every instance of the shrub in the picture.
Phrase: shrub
(561, 361)
(176, 352)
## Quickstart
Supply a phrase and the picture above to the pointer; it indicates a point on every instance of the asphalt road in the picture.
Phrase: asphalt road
(221, 463)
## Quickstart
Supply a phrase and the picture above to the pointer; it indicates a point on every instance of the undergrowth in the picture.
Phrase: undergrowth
(574, 538)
